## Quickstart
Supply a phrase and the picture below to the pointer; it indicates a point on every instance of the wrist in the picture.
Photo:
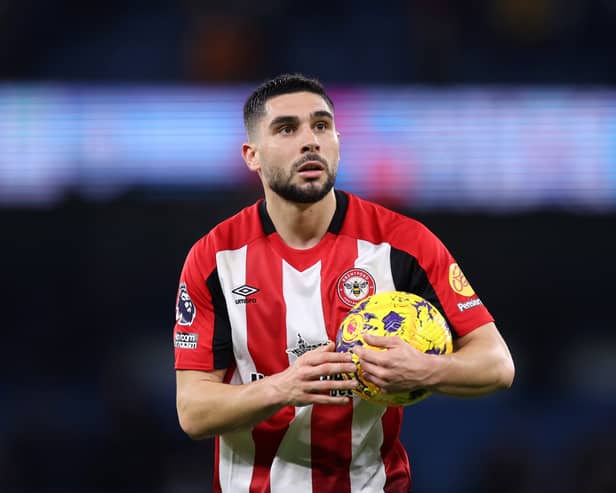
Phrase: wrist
(273, 395)
(437, 368)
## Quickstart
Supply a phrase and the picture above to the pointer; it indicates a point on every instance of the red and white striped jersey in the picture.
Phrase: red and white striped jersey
(250, 304)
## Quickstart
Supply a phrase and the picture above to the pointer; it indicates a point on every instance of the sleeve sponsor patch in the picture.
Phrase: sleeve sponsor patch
(472, 303)
(458, 281)
(185, 340)
(185, 310)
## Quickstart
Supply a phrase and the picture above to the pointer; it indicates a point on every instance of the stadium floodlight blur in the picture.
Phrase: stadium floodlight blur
(492, 149)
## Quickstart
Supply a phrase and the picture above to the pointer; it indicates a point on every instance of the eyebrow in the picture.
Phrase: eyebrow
(287, 119)
(283, 119)
(322, 114)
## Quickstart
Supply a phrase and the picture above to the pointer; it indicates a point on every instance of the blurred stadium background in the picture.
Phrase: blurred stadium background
(493, 122)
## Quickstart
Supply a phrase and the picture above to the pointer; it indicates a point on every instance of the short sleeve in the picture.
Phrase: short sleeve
(201, 336)
(458, 300)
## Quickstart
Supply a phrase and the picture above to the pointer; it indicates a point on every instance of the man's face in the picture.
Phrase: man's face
(296, 147)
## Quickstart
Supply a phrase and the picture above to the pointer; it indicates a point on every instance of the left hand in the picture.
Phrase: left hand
(401, 368)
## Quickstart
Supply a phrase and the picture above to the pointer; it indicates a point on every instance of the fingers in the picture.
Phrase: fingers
(374, 373)
(316, 377)
(330, 400)
(329, 346)
(336, 391)
(316, 372)
(326, 389)
(379, 358)
(379, 382)
(324, 354)
(382, 341)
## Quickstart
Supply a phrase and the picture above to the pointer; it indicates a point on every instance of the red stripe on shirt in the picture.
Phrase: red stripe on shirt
(264, 272)
(267, 437)
(395, 460)
(331, 427)
(331, 447)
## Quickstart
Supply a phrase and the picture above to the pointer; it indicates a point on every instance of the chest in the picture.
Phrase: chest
(281, 305)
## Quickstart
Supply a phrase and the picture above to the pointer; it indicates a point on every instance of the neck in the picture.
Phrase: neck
(301, 226)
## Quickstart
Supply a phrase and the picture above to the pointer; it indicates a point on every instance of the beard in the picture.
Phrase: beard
(309, 192)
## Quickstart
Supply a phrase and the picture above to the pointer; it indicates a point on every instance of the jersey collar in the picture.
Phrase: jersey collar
(342, 204)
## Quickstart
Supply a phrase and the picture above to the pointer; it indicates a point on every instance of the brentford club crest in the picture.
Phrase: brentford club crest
(355, 285)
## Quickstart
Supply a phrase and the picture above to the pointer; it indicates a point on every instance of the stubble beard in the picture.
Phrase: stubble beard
(309, 193)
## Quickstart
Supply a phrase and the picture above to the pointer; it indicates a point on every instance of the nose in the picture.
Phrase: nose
(314, 147)
(310, 142)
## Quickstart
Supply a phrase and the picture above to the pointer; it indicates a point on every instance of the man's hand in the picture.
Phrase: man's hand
(305, 381)
(400, 368)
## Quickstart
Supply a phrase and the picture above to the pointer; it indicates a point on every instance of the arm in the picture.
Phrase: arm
(480, 364)
(206, 406)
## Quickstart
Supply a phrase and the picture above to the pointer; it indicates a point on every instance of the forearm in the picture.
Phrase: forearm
(208, 408)
(473, 369)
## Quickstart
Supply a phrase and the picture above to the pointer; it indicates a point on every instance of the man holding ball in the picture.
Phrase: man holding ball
(261, 298)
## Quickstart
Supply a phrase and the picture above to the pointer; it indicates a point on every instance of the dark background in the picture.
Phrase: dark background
(88, 288)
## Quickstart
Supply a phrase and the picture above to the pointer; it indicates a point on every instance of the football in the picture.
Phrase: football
(395, 313)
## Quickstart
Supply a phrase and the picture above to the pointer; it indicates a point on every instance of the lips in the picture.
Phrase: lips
(311, 170)
(311, 166)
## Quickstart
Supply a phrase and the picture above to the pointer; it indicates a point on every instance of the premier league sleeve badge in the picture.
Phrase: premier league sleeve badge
(185, 310)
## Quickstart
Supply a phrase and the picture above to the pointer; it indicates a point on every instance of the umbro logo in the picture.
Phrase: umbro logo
(245, 291)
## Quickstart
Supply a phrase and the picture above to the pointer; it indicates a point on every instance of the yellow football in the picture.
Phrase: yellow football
(394, 313)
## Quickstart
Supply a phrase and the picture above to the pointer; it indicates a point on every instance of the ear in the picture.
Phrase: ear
(249, 154)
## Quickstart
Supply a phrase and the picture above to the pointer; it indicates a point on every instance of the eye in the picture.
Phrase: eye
(321, 126)
(286, 130)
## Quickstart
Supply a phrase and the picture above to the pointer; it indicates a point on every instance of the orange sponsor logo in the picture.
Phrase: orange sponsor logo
(458, 281)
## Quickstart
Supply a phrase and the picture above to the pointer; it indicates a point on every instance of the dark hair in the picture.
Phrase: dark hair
(254, 107)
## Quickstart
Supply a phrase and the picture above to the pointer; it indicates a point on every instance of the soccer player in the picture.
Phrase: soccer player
(261, 297)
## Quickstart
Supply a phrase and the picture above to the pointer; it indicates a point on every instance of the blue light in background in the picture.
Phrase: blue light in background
(487, 149)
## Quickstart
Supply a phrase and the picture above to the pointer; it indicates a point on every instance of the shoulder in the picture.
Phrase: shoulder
(376, 223)
(238, 230)
(231, 234)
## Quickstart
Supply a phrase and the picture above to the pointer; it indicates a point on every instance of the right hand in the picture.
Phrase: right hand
(301, 383)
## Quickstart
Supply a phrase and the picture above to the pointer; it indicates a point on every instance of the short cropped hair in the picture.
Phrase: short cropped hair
(254, 107)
